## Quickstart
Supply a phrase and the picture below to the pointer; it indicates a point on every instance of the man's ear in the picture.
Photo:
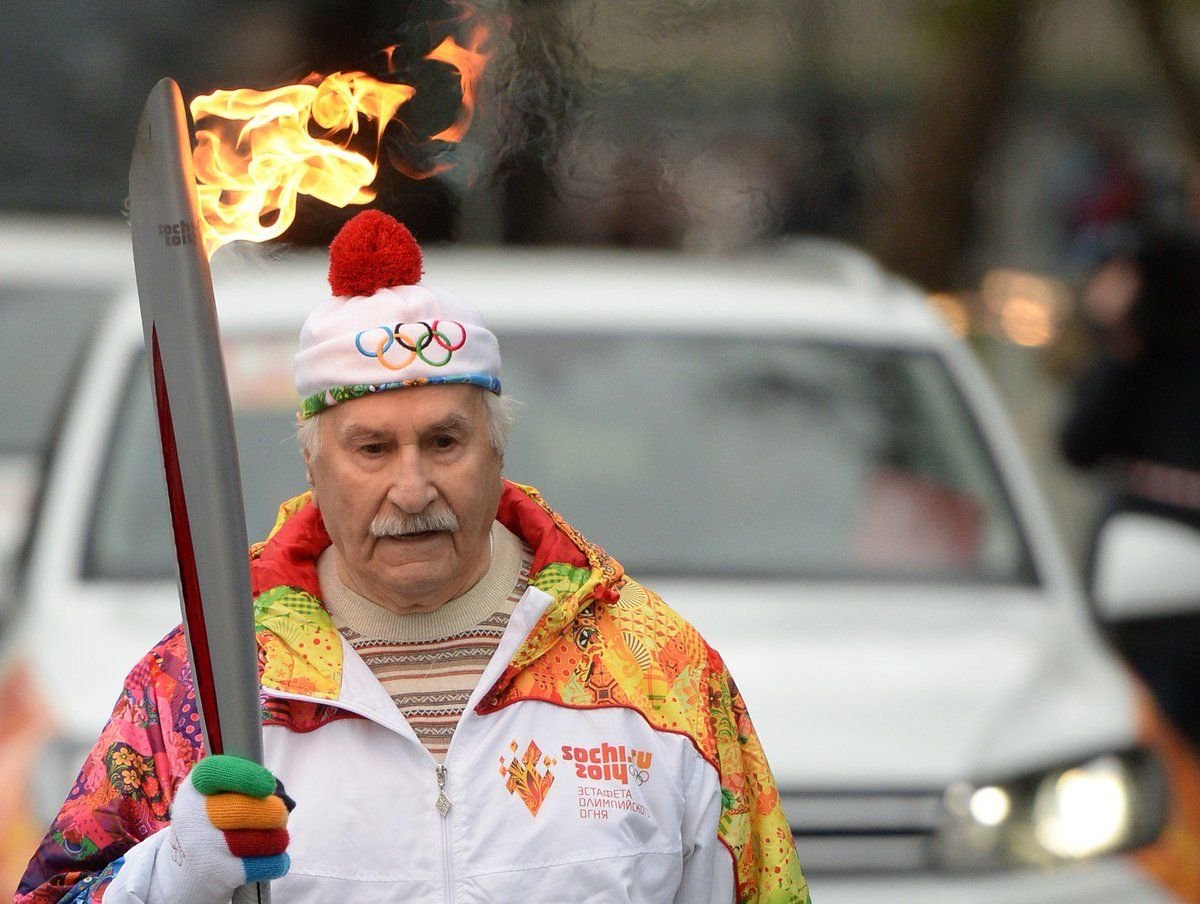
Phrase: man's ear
(308, 477)
(311, 486)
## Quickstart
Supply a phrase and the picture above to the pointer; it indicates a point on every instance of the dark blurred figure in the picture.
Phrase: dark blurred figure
(1137, 408)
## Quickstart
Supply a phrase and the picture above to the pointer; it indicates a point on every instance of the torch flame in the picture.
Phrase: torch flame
(470, 63)
(256, 151)
(254, 154)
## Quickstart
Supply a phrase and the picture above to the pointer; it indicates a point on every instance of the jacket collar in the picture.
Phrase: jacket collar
(299, 649)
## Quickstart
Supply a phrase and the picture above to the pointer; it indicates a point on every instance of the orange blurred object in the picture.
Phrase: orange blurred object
(1174, 860)
(24, 727)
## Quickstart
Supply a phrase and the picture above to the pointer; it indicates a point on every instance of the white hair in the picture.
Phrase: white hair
(499, 410)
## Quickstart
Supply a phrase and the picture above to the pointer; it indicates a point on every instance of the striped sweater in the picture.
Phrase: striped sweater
(430, 662)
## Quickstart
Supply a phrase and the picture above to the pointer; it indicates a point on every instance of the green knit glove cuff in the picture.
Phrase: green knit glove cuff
(223, 774)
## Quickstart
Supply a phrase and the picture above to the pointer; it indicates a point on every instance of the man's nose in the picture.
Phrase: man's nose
(411, 491)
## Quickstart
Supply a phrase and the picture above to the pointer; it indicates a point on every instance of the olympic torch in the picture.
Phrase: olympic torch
(195, 424)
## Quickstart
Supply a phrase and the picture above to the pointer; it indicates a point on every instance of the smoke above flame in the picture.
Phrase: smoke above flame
(258, 151)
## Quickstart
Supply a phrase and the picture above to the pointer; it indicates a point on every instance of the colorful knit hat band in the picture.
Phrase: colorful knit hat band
(383, 329)
(318, 402)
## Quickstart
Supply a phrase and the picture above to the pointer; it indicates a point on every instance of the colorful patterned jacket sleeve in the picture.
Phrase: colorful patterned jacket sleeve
(753, 824)
(124, 790)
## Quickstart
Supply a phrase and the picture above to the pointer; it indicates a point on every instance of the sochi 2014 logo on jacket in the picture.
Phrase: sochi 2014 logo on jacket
(605, 776)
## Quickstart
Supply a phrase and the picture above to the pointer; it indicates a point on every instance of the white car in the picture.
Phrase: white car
(56, 276)
(799, 457)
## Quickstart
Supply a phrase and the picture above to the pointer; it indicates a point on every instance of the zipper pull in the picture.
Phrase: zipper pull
(443, 802)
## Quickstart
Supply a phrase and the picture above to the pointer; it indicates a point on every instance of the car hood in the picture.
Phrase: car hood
(885, 687)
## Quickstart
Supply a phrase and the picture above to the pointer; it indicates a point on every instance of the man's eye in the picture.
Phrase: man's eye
(371, 448)
(444, 442)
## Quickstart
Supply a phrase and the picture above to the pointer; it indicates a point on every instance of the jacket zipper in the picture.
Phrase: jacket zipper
(443, 808)
(443, 803)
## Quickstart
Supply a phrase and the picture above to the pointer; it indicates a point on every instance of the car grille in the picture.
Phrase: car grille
(864, 831)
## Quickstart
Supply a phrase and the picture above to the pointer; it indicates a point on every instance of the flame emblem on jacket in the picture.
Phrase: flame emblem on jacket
(524, 777)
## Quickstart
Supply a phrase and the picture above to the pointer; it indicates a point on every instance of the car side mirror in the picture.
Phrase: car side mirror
(1145, 566)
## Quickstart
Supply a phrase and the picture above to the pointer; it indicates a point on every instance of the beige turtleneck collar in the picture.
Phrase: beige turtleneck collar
(488, 596)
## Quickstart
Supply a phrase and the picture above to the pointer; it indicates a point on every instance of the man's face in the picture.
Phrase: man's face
(408, 460)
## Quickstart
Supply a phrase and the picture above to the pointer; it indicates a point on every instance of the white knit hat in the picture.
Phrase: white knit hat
(383, 329)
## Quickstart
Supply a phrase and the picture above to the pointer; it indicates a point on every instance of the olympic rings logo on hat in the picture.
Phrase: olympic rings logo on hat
(413, 347)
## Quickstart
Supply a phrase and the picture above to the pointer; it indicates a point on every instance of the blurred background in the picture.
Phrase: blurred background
(992, 152)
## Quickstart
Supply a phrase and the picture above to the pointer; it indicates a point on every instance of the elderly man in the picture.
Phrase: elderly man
(467, 699)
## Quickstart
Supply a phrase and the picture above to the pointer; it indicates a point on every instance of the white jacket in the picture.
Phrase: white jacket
(367, 828)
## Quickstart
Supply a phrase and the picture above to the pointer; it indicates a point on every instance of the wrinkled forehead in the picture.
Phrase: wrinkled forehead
(416, 409)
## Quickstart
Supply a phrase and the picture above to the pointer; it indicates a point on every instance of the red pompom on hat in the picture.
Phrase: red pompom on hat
(383, 328)
(371, 252)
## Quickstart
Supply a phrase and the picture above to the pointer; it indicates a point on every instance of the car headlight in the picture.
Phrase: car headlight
(1100, 806)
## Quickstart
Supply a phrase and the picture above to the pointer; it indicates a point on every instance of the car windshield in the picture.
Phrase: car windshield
(130, 534)
(751, 458)
(46, 330)
(687, 456)
(37, 372)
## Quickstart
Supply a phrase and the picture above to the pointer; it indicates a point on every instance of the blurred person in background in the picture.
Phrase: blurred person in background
(1136, 410)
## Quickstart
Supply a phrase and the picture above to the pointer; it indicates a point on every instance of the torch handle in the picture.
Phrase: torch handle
(259, 893)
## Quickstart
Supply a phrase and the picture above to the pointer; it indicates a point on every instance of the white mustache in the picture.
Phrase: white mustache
(398, 524)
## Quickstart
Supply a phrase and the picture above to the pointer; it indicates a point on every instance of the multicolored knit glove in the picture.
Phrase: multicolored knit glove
(228, 828)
